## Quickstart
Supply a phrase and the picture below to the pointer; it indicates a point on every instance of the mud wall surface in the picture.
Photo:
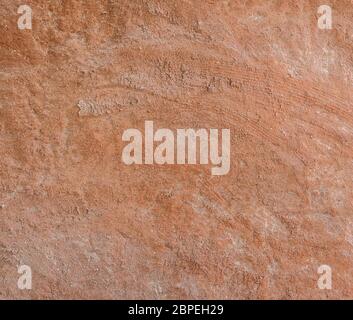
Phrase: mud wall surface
(90, 226)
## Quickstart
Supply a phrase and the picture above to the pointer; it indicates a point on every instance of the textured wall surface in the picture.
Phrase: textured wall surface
(90, 226)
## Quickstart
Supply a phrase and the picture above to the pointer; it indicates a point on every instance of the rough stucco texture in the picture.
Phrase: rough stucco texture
(90, 226)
